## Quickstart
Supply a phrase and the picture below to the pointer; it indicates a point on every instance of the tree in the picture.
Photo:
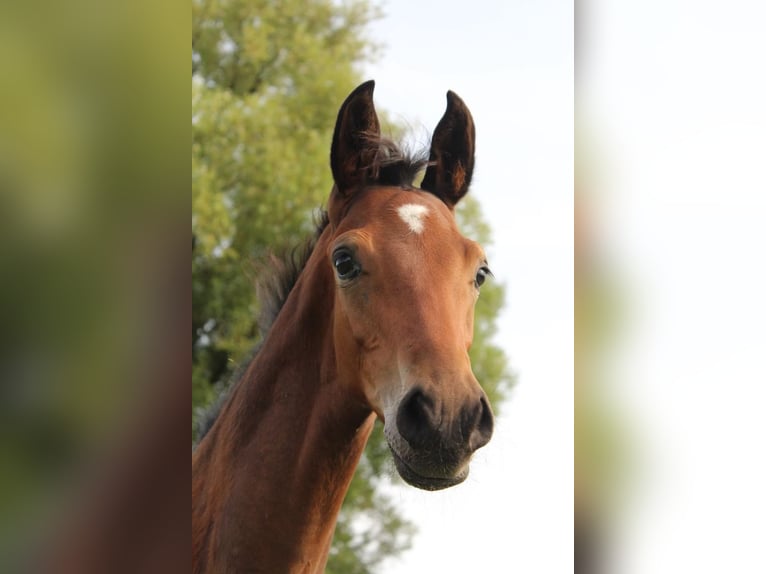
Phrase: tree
(267, 80)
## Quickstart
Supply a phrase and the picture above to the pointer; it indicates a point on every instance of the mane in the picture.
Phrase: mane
(272, 288)
(390, 165)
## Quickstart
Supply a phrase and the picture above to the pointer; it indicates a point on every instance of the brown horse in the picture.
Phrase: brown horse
(377, 325)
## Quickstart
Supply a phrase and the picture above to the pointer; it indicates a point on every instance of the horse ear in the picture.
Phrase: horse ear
(452, 149)
(356, 127)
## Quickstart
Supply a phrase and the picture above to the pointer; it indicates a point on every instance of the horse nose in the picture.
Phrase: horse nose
(419, 421)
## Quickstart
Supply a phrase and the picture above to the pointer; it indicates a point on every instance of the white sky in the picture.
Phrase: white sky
(512, 63)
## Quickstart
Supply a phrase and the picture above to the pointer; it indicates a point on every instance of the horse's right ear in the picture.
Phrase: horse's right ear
(452, 149)
(353, 143)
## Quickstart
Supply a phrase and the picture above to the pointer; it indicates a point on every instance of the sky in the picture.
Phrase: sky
(512, 64)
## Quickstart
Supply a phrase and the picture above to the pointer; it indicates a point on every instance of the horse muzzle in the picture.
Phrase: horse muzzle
(431, 447)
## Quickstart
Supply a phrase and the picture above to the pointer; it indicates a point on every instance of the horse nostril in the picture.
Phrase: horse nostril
(483, 424)
(416, 419)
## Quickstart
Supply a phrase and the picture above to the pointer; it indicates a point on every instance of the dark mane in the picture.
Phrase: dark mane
(273, 288)
(390, 165)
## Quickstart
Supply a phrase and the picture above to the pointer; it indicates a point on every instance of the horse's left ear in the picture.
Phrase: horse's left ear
(452, 149)
(357, 126)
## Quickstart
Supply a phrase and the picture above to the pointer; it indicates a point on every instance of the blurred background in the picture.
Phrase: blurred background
(93, 286)
(669, 284)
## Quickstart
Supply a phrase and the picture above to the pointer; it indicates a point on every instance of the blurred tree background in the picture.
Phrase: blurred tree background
(267, 81)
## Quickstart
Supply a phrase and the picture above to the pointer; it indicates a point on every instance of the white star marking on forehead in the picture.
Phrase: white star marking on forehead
(412, 214)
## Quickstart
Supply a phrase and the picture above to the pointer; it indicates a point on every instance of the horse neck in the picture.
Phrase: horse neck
(269, 479)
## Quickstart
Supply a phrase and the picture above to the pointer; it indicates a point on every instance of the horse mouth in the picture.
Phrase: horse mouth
(427, 482)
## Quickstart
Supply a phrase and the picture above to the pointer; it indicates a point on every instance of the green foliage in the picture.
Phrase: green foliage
(267, 80)
(488, 361)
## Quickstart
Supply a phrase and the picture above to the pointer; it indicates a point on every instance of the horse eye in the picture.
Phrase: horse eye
(345, 266)
(481, 276)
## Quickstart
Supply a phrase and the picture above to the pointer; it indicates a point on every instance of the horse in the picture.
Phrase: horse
(377, 325)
